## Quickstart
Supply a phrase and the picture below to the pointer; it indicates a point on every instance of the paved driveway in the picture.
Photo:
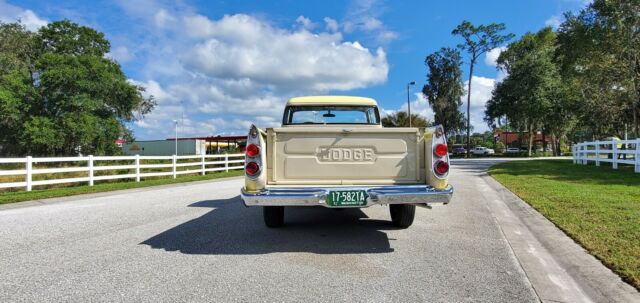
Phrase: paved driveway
(197, 242)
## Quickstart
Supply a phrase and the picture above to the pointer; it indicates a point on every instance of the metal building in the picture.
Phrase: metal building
(165, 147)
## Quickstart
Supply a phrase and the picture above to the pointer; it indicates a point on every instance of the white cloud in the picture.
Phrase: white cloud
(11, 13)
(241, 46)
(481, 89)
(371, 23)
(364, 16)
(163, 19)
(331, 24)
(419, 106)
(121, 54)
(226, 73)
(386, 36)
(491, 57)
(553, 21)
(305, 22)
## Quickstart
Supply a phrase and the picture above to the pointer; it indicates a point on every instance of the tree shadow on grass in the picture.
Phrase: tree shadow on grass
(230, 228)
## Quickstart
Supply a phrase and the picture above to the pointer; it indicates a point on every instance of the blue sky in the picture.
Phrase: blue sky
(218, 66)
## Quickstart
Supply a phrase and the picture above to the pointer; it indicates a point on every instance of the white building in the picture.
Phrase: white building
(165, 147)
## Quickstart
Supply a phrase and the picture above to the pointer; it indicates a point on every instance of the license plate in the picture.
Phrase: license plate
(347, 198)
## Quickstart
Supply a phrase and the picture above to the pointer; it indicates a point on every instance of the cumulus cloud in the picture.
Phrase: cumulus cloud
(301, 59)
(121, 54)
(11, 13)
(305, 22)
(419, 106)
(331, 24)
(226, 73)
(163, 19)
(491, 57)
(481, 89)
(553, 21)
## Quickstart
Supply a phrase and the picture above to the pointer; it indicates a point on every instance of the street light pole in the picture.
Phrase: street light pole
(176, 137)
(408, 100)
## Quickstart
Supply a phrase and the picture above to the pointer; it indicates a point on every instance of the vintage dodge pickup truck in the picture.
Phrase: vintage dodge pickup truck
(332, 151)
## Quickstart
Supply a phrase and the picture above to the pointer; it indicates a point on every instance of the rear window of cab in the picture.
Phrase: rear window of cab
(299, 115)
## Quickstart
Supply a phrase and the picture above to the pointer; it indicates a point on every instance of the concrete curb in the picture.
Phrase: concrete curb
(32, 203)
(592, 279)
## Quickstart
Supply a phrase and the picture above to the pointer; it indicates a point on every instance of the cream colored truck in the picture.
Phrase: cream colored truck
(332, 151)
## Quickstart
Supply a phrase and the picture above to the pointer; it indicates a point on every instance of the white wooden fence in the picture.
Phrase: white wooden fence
(614, 152)
(135, 167)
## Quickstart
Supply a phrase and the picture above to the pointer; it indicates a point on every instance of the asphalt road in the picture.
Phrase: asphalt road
(197, 242)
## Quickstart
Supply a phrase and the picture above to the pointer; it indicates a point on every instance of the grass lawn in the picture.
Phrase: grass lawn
(597, 206)
(11, 197)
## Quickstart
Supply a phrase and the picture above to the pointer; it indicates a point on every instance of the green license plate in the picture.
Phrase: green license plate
(347, 198)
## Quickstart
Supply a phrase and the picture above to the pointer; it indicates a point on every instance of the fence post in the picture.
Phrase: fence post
(637, 157)
(137, 168)
(226, 162)
(583, 153)
(29, 167)
(202, 165)
(175, 160)
(614, 155)
(573, 154)
(90, 164)
(597, 153)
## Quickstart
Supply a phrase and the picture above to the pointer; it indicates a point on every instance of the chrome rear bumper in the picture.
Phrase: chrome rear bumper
(316, 196)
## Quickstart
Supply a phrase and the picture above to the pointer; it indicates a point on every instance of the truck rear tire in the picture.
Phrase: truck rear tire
(402, 214)
(273, 216)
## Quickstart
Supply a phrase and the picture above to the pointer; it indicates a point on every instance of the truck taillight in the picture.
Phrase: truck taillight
(252, 168)
(252, 150)
(253, 153)
(441, 150)
(441, 167)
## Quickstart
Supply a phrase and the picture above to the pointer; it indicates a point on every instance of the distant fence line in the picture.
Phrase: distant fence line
(223, 162)
(615, 152)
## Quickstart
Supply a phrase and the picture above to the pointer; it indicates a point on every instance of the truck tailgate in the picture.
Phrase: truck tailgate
(344, 155)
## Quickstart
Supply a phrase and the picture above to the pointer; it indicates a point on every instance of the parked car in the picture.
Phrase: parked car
(481, 150)
(333, 152)
(512, 150)
(459, 151)
(539, 149)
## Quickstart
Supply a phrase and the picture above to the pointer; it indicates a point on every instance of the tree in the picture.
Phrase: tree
(444, 88)
(60, 95)
(533, 88)
(599, 52)
(401, 119)
(477, 41)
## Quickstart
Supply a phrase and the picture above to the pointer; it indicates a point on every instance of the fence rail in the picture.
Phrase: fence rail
(135, 167)
(615, 152)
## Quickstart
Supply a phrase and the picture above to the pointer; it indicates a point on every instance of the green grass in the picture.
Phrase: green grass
(12, 197)
(597, 206)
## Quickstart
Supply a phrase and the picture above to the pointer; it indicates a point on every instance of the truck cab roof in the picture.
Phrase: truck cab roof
(332, 100)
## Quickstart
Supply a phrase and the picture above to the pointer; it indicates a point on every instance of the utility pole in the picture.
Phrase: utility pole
(176, 137)
(409, 101)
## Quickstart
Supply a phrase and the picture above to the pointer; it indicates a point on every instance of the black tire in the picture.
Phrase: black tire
(402, 214)
(273, 216)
